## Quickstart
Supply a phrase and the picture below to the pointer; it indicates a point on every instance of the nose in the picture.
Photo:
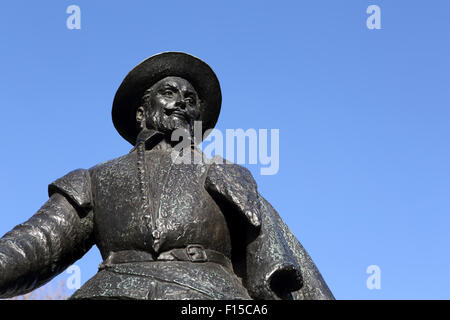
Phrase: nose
(180, 103)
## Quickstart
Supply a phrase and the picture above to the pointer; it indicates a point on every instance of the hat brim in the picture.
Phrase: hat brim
(157, 67)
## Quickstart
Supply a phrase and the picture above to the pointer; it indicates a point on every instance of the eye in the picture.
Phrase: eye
(190, 100)
(168, 93)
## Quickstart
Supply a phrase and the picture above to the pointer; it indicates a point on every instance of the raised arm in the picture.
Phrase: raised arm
(60, 233)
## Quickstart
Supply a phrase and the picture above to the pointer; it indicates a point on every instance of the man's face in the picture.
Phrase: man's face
(170, 104)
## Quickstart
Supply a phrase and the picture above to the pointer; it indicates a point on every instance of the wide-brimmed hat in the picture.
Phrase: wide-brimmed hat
(148, 72)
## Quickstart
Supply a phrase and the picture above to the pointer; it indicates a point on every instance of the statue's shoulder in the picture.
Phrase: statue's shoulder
(76, 185)
(122, 161)
(235, 183)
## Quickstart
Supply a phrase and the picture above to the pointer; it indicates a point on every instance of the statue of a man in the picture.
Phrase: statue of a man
(165, 230)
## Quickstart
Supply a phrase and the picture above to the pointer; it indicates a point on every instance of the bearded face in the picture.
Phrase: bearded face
(172, 103)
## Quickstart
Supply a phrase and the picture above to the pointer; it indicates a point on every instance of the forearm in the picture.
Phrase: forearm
(273, 272)
(35, 251)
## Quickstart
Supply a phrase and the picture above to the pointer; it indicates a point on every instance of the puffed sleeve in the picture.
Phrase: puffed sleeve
(61, 232)
(76, 187)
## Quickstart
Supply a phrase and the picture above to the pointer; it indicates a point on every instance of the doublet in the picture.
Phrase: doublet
(146, 220)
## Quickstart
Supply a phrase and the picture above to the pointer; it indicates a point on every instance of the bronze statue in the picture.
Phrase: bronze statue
(165, 230)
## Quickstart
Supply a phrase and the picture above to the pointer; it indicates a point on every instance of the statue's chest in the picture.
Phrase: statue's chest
(156, 205)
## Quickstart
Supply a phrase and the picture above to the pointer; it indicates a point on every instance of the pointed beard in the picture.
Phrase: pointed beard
(168, 124)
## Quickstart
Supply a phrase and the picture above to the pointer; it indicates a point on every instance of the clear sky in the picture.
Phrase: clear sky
(363, 115)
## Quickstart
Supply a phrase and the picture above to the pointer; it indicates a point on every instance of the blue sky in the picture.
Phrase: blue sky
(363, 116)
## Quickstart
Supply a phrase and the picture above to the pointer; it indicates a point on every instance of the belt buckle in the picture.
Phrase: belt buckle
(196, 253)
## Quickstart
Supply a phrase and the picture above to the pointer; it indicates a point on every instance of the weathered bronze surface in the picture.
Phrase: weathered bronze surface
(165, 230)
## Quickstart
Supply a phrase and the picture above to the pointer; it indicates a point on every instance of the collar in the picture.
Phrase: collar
(150, 137)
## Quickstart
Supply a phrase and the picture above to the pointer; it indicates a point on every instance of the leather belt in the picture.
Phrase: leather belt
(194, 253)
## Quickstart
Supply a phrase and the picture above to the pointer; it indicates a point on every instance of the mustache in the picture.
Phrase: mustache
(179, 112)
